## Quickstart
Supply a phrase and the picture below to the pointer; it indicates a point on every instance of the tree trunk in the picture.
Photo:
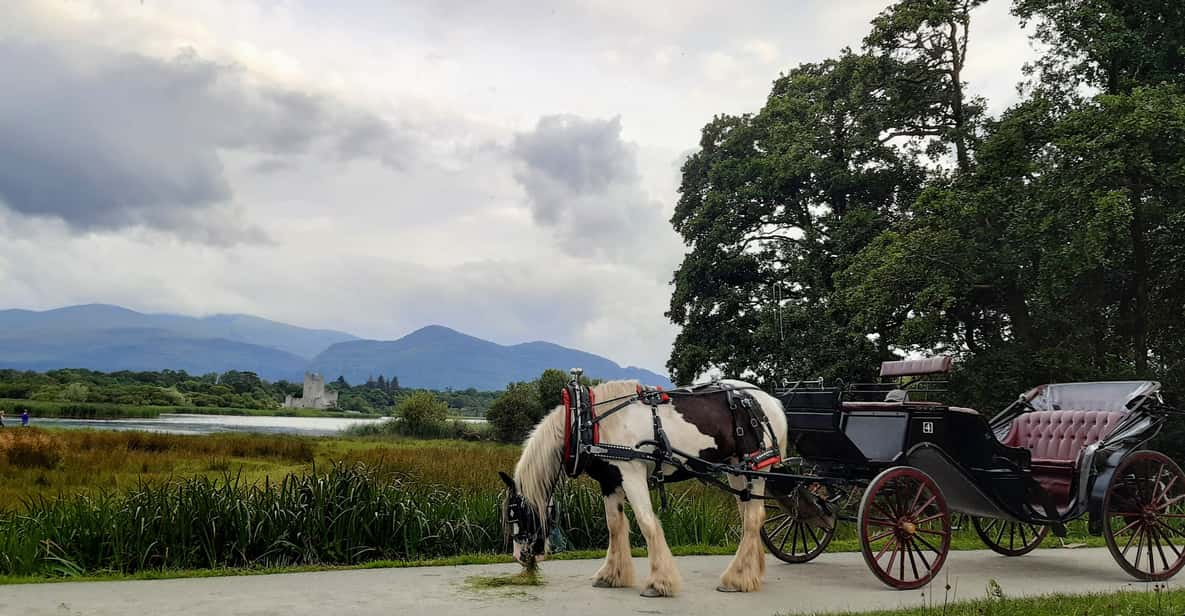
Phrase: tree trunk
(958, 114)
(1139, 284)
(1019, 317)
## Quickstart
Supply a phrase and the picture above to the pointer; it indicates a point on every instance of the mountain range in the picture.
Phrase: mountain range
(110, 338)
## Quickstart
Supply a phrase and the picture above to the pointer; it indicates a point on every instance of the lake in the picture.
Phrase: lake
(183, 423)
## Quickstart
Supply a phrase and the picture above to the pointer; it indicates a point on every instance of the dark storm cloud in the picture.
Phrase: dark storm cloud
(582, 179)
(108, 141)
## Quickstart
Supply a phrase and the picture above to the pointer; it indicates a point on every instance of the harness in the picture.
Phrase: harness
(582, 434)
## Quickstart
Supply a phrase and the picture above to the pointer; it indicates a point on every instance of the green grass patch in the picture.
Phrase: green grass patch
(1153, 600)
(523, 578)
(78, 410)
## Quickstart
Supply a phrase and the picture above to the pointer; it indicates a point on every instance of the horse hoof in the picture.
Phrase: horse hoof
(650, 592)
(723, 588)
(599, 583)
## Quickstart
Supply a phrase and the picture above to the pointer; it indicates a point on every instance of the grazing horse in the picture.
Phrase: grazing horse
(701, 424)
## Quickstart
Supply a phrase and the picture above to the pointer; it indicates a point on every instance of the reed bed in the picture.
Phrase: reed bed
(79, 410)
(348, 514)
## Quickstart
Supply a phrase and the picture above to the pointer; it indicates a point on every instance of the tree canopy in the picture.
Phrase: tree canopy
(873, 208)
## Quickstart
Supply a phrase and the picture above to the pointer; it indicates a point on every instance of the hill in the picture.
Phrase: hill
(111, 338)
(437, 357)
(63, 322)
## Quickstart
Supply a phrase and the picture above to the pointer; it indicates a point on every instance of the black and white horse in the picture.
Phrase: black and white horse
(701, 425)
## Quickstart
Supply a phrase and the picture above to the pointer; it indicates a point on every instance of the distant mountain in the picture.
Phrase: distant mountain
(231, 327)
(111, 338)
(437, 357)
(111, 350)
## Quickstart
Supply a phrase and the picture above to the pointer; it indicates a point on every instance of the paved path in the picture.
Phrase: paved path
(832, 582)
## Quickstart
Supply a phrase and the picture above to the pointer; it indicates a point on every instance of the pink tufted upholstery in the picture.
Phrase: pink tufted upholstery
(1055, 438)
(1060, 435)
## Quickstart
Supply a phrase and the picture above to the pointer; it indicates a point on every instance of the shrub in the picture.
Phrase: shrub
(515, 412)
(31, 449)
(421, 411)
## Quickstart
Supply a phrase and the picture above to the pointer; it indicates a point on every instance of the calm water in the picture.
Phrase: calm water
(181, 423)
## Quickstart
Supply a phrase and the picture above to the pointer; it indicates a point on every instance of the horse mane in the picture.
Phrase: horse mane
(540, 467)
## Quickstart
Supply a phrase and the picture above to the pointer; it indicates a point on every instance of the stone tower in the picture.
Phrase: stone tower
(314, 395)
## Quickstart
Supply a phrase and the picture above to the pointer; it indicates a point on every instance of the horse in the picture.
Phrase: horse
(702, 425)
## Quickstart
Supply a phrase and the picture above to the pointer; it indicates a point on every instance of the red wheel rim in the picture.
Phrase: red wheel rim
(1144, 516)
(904, 528)
(1009, 538)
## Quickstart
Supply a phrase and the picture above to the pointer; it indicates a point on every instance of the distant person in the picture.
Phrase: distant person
(25, 418)
(1, 418)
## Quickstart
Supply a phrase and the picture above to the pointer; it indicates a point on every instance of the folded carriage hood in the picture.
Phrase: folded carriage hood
(1100, 396)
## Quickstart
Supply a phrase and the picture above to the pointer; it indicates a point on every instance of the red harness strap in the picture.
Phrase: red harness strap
(569, 453)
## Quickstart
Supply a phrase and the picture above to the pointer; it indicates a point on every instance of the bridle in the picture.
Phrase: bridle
(524, 523)
(523, 519)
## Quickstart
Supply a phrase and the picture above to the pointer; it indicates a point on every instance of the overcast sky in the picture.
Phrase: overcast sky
(506, 169)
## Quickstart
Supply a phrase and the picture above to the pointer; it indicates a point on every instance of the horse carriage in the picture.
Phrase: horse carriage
(906, 463)
(1060, 452)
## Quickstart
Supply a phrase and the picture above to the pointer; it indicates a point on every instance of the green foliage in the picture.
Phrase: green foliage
(212, 392)
(421, 411)
(551, 385)
(515, 412)
(1047, 248)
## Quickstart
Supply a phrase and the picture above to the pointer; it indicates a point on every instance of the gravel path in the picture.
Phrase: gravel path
(832, 582)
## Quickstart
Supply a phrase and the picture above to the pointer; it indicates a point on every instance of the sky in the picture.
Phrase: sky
(507, 169)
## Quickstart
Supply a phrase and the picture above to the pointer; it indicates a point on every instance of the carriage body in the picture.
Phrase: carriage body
(1060, 452)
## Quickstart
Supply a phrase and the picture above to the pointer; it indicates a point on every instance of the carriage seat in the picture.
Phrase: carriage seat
(1055, 439)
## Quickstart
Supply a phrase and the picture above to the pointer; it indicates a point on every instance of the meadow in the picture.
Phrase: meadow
(87, 503)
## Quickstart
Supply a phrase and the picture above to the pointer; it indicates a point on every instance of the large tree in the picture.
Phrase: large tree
(771, 206)
(923, 47)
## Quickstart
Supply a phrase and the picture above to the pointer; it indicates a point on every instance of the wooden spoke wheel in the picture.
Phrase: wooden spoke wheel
(905, 528)
(1144, 516)
(797, 526)
(1009, 538)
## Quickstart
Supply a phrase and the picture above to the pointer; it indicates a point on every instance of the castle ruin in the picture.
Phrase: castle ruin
(314, 395)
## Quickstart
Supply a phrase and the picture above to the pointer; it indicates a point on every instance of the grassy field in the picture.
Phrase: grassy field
(77, 410)
(86, 503)
(1153, 600)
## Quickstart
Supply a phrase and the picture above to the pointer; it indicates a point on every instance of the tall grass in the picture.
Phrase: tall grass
(451, 429)
(78, 410)
(343, 516)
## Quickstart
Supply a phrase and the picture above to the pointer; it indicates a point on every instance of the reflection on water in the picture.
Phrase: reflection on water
(182, 423)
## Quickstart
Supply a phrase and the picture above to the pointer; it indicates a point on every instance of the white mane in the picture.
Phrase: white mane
(540, 467)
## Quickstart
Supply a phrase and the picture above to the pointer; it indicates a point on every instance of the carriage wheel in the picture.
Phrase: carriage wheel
(1144, 516)
(904, 528)
(1009, 538)
(793, 530)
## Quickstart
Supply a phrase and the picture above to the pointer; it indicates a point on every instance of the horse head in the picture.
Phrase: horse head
(523, 525)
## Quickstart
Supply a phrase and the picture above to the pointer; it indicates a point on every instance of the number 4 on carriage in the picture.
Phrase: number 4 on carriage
(888, 457)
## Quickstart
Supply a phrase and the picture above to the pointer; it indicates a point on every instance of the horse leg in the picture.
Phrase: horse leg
(664, 577)
(745, 571)
(618, 570)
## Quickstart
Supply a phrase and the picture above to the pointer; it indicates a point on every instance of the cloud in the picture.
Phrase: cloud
(106, 141)
(582, 180)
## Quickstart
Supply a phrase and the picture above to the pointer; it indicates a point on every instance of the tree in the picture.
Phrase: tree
(771, 206)
(421, 410)
(515, 412)
(1111, 45)
(922, 45)
(550, 384)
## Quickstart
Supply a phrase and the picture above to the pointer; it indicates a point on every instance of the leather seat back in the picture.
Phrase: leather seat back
(1060, 435)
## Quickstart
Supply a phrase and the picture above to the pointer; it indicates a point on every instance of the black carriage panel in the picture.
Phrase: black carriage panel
(878, 430)
(815, 419)
(812, 411)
